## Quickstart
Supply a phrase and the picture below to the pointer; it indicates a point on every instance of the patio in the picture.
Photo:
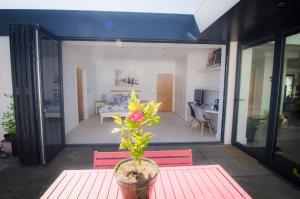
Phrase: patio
(19, 181)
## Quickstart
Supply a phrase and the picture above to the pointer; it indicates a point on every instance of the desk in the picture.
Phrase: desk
(209, 181)
(211, 111)
(206, 109)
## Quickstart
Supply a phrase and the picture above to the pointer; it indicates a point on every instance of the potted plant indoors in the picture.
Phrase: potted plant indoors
(136, 175)
(9, 126)
(252, 125)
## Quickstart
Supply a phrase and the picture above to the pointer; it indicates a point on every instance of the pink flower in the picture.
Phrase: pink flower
(136, 115)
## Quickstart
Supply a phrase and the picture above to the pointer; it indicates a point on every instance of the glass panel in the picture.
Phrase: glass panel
(288, 137)
(254, 95)
(52, 106)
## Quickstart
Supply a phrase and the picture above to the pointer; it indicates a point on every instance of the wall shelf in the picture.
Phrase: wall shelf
(208, 88)
(210, 69)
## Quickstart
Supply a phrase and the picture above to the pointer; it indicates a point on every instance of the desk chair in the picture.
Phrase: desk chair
(203, 120)
(195, 123)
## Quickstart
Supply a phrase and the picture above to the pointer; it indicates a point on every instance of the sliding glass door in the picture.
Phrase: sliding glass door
(253, 101)
(287, 153)
(267, 104)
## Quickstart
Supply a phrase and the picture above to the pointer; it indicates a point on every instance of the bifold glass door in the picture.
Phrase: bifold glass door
(253, 102)
(51, 94)
(38, 94)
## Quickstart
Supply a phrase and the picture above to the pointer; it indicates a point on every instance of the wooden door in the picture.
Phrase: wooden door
(80, 94)
(165, 91)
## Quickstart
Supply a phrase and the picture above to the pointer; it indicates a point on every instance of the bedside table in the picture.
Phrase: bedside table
(99, 104)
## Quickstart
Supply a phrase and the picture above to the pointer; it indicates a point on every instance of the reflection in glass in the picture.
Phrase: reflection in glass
(288, 137)
(52, 102)
(254, 95)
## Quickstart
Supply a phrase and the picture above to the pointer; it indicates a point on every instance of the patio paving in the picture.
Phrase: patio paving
(18, 181)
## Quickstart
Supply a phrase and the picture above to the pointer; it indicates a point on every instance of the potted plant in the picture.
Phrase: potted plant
(252, 125)
(281, 118)
(136, 175)
(9, 126)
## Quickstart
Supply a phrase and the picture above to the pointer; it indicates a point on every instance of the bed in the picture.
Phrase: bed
(118, 105)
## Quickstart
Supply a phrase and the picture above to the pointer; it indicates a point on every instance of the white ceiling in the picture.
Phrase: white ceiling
(149, 6)
(127, 51)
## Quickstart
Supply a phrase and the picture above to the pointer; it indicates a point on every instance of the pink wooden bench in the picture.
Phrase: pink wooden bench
(107, 160)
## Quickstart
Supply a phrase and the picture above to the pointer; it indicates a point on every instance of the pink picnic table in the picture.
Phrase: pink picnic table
(209, 181)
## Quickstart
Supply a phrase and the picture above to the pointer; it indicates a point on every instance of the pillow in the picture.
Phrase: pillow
(120, 98)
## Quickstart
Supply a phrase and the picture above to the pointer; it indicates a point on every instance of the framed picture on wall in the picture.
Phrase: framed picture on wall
(214, 58)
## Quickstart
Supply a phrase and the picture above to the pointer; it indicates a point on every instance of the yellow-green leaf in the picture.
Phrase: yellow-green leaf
(117, 119)
(157, 105)
(116, 130)
(132, 107)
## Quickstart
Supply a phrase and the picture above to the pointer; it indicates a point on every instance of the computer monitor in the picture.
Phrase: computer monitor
(198, 96)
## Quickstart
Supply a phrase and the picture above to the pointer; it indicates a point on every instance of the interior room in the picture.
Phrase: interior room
(98, 78)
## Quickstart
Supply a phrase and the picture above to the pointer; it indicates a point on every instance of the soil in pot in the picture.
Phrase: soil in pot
(136, 182)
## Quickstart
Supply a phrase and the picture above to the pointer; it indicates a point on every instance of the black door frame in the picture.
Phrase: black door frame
(272, 131)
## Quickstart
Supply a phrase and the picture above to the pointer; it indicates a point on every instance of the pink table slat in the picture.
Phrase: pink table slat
(189, 182)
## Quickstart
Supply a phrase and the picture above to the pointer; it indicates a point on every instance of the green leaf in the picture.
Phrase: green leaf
(157, 119)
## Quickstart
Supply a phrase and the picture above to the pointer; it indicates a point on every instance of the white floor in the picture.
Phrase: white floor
(172, 129)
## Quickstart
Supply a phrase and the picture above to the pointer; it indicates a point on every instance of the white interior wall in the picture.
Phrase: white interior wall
(244, 95)
(267, 84)
(195, 76)
(73, 59)
(212, 80)
(198, 77)
(258, 70)
(5, 77)
(180, 87)
(145, 71)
